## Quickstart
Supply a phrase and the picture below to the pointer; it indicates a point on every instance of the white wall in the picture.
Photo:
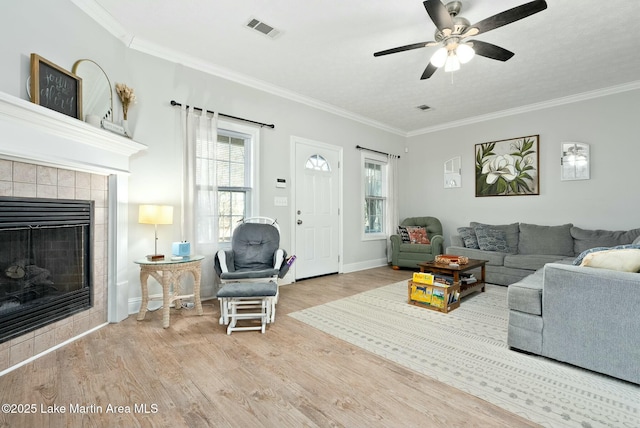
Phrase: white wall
(609, 200)
(61, 33)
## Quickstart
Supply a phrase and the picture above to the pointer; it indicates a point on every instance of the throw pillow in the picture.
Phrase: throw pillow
(404, 234)
(418, 235)
(512, 233)
(491, 239)
(578, 260)
(468, 235)
(626, 260)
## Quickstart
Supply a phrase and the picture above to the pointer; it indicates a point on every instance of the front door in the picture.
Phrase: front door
(317, 208)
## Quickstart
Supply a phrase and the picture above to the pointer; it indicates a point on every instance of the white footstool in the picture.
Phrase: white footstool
(245, 301)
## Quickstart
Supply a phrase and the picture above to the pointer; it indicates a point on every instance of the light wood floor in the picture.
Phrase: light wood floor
(194, 375)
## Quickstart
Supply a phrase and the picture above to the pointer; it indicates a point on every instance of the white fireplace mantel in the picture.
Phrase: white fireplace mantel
(40, 135)
(34, 134)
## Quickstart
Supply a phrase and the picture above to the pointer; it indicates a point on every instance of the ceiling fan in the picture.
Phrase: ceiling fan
(452, 30)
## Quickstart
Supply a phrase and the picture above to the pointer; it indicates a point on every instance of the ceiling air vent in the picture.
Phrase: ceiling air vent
(424, 107)
(263, 28)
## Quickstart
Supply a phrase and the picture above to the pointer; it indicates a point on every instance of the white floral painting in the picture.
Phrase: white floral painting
(508, 167)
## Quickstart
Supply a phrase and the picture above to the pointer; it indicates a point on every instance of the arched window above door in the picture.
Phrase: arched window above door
(317, 163)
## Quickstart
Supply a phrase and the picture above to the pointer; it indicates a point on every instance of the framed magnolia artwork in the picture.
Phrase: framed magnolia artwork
(508, 167)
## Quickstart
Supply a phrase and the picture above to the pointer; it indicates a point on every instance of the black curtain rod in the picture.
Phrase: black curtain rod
(375, 151)
(174, 103)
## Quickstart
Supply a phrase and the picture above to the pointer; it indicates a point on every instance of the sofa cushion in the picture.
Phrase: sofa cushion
(624, 260)
(584, 239)
(529, 261)
(468, 235)
(512, 232)
(490, 239)
(536, 239)
(494, 258)
(526, 294)
(415, 248)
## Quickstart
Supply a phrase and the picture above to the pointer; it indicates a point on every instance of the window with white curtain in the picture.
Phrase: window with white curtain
(230, 162)
(374, 195)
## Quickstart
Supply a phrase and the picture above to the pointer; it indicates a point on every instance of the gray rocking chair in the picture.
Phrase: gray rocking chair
(249, 272)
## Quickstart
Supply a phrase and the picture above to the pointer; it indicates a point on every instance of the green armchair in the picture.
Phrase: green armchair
(409, 255)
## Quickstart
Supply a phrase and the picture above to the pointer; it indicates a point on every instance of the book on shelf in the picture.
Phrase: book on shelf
(453, 297)
(442, 280)
(423, 278)
(421, 293)
(467, 278)
(437, 298)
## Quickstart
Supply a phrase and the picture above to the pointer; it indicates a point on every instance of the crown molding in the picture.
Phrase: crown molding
(529, 108)
(209, 68)
(104, 19)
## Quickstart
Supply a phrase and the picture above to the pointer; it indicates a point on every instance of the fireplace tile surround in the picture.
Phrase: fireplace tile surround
(46, 154)
(29, 180)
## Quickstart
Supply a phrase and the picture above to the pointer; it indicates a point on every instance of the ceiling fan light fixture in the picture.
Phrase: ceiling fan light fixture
(439, 57)
(465, 53)
(452, 63)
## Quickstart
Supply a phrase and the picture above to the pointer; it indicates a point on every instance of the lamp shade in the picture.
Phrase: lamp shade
(155, 214)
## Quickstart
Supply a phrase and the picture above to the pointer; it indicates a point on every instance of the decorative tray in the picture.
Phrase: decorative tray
(448, 259)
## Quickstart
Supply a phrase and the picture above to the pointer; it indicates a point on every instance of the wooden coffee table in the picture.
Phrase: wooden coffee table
(445, 269)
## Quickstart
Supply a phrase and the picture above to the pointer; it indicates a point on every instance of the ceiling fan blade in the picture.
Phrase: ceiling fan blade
(509, 16)
(428, 72)
(439, 15)
(489, 50)
(405, 48)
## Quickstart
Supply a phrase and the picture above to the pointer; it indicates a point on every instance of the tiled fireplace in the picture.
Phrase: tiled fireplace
(47, 155)
(36, 181)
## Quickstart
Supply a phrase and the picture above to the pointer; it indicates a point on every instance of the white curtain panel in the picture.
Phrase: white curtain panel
(392, 201)
(199, 220)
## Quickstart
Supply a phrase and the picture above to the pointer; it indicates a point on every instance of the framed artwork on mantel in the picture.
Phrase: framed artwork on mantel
(574, 161)
(508, 167)
(55, 88)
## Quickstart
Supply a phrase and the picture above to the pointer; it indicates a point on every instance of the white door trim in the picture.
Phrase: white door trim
(292, 150)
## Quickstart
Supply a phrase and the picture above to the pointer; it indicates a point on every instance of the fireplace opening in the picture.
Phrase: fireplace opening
(45, 262)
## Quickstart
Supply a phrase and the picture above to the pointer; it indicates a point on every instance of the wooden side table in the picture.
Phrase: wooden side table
(169, 273)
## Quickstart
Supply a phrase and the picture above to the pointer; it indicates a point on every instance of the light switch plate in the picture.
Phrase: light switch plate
(280, 201)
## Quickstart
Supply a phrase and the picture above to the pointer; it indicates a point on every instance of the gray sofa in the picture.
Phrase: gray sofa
(584, 316)
(529, 246)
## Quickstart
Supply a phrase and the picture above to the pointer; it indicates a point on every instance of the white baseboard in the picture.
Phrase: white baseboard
(369, 264)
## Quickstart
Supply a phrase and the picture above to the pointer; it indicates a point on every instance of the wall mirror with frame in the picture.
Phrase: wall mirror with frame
(453, 173)
(97, 96)
(574, 161)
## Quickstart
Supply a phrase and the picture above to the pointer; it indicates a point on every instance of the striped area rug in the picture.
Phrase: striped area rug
(467, 349)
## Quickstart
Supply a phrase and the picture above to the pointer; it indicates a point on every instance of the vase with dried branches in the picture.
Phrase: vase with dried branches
(127, 97)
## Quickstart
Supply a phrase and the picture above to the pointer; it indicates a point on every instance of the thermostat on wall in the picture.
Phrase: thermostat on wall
(281, 183)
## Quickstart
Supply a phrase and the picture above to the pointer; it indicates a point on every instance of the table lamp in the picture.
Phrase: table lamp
(155, 215)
